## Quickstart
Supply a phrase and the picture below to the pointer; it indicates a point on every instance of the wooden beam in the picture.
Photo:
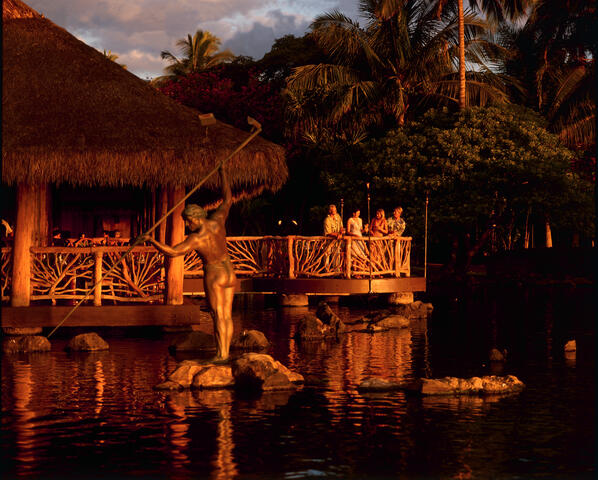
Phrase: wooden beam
(105, 316)
(24, 228)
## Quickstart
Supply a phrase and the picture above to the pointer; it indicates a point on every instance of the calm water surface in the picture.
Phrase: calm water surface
(96, 415)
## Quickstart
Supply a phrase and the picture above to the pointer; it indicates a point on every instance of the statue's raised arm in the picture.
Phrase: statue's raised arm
(221, 213)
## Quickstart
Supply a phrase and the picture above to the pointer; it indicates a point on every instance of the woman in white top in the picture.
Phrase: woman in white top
(355, 224)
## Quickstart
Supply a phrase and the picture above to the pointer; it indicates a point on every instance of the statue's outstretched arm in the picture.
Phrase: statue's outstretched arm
(174, 251)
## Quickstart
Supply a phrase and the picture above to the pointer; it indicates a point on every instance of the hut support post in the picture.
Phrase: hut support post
(398, 257)
(174, 269)
(31, 202)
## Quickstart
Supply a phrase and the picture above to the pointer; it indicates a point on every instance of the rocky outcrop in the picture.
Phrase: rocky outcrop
(26, 343)
(466, 386)
(311, 327)
(250, 340)
(87, 342)
(257, 371)
(201, 375)
(253, 371)
(414, 310)
(193, 341)
(328, 317)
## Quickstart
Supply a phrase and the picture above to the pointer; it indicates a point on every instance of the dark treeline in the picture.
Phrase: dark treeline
(487, 110)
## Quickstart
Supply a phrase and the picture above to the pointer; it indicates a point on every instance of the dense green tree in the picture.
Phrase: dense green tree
(489, 173)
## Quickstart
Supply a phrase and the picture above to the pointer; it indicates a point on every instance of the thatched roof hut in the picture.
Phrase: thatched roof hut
(72, 116)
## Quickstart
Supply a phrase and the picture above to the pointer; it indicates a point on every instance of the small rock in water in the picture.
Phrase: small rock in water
(378, 385)
(87, 342)
(571, 346)
(466, 386)
(214, 376)
(312, 328)
(329, 318)
(250, 340)
(262, 372)
(495, 355)
(26, 343)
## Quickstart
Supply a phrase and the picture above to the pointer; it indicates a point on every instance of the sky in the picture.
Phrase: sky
(138, 30)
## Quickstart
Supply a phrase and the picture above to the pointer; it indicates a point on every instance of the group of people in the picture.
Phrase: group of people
(380, 226)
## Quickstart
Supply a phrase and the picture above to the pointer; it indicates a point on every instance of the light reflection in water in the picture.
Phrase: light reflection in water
(23, 425)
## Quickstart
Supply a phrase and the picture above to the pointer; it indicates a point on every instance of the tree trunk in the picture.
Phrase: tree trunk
(174, 270)
(548, 235)
(462, 102)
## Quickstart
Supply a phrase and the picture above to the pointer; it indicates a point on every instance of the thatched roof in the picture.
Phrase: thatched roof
(70, 115)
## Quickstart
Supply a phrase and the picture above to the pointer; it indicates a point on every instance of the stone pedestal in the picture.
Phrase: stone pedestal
(400, 297)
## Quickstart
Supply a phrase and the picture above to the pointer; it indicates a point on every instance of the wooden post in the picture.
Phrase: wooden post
(291, 257)
(174, 270)
(97, 275)
(21, 266)
(153, 212)
(162, 209)
(348, 257)
(398, 257)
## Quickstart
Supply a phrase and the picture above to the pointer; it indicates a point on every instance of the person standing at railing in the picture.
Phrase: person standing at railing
(355, 224)
(379, 227)
(333, 224)
(396, 224)
(208, 239)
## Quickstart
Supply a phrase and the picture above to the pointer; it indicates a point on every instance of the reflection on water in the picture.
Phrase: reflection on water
(99, 413)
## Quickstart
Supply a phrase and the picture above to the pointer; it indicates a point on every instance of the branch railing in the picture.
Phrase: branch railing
(67, 273)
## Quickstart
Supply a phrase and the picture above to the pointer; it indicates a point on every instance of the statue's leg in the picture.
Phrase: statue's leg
(219, 293)
(227, 319)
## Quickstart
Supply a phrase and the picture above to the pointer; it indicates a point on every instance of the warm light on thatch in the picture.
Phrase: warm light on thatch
(72, 116)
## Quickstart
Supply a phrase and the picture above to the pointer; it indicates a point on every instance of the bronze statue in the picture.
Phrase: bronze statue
(208, 239)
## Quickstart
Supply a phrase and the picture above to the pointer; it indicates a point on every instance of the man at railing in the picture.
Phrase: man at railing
(208, 239)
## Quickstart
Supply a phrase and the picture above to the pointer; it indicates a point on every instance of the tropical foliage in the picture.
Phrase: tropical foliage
(198, 53)
(404, 58)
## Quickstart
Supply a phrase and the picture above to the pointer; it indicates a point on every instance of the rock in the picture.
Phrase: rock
(168, 385)
(193, 341)
(472, 386)
(393, 321)
(185, 371)
(250, 340)
(26, 343)
(414, 310)
(87, 342)
(400, 298)
(328, 317)
(285, 300)
(373, 328)
(378, 385)
(571, 346)
(495, 355)
(311, 328)
(214, 376)
(260, 371)
(21, 330)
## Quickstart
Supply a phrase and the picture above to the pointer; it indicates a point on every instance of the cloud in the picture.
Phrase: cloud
(138, 30)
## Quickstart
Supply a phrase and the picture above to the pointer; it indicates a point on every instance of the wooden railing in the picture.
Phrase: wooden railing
(67, 273)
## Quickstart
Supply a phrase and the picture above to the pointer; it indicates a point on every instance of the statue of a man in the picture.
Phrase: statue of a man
(208, 239)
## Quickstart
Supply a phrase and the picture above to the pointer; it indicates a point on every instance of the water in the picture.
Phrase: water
(97, 416)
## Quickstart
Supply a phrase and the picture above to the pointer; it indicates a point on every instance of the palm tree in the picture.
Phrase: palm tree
(198, 53)
(404, 57)
(555, 57)
(496, 11)
(113, 57)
